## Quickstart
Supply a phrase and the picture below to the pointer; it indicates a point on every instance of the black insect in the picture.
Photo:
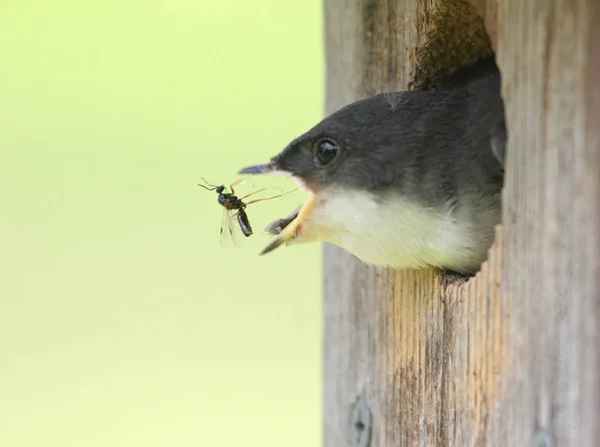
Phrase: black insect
(235, 207)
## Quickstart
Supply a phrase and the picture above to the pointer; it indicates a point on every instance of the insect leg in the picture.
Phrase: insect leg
(238, 182)
(256, 192)
(273, 197)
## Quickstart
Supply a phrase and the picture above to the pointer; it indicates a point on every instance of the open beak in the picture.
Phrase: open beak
(293, 225)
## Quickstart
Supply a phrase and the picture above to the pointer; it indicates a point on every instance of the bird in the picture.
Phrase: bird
(404, 180)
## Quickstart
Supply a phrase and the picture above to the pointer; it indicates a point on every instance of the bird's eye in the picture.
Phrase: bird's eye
(325, 151)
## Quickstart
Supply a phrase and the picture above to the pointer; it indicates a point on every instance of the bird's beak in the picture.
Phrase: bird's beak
(293, 228)
(266, 168)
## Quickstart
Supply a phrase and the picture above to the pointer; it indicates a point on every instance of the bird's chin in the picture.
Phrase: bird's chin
(290, 229)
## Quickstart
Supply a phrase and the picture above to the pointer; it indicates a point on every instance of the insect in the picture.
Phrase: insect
(235, 207)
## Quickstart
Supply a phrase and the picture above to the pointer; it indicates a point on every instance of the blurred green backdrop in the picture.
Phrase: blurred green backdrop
(122, 321)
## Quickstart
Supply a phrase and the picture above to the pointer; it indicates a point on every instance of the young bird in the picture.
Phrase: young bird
(404, 180)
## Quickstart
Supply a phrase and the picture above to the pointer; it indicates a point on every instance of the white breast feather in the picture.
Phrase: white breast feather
(395, 233)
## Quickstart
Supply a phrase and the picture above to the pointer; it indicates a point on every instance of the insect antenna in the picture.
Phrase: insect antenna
(210, 186)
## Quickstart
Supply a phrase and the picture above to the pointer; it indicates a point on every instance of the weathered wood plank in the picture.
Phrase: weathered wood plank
(549, 51)
(488, 362)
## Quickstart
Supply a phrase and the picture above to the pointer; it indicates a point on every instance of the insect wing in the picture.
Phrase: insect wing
(229, 236)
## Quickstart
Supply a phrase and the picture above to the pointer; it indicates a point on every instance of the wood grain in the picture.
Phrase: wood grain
(549, 51)
(490, 361)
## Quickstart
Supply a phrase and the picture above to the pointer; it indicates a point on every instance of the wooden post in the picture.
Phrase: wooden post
(515, 350)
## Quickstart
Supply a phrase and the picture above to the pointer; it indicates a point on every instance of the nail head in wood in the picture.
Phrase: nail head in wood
(360, 423)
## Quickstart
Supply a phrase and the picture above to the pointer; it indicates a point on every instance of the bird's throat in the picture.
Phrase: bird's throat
(389, 230)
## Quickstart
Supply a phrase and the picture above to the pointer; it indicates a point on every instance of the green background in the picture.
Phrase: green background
(123, 322)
